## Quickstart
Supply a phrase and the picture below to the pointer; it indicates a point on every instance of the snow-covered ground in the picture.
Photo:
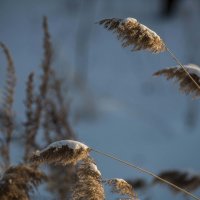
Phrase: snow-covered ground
(137, 117)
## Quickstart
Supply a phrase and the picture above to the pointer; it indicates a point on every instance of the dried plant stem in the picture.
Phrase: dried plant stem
(179, 63)
(147, 172)
(8, 126)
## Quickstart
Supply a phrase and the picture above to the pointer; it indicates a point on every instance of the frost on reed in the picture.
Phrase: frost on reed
(89, 183)
(186, 85)
(61, 152)
(121, 187)
(187, 180)
(133, 33)
(18, 182)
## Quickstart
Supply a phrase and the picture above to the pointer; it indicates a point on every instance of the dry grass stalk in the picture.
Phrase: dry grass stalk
(186, 180)
(61, 152)
(64, 107)
(29, 102)
(46, 67)
(9, 90)
(186, 85)
(121, 187)
(133, 33)
(18, 182)
(89, 183)
(149, 173)
(56, 111)
(48, 54)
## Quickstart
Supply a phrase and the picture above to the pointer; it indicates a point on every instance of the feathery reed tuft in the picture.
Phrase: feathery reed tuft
(121, 187)
(43, 87)
(18, 182)
(186, 85)
(89, 183)
(7, 110)
(61, 152)
(60, 180)
(29, 102)
(133, 33)
(186, 180)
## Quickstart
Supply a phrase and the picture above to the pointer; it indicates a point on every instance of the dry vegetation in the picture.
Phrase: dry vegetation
(132, 33)
(186, 85)
(71, 173)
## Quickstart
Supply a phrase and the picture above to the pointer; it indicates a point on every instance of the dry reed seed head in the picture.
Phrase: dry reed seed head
(60, 174)
(186, 85)
(11, 79)
(89, 182)
(62, 152)
(17, 182)
(184, 179)
(120, 186)
(9, 90)
(133, 33)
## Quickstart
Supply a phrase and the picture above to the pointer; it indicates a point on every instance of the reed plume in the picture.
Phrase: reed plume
(186, 85)
(60, 180)
(89, 183)
(120, 186)
(133, 33)
(29, 103)
(61, 152)
(19, 181)
(7, 120)
(43, 87)
(183, 179)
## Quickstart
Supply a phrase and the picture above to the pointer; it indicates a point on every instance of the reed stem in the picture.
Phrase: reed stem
(147, 172)
(179, 63)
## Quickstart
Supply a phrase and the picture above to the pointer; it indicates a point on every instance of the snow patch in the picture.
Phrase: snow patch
(94, 168)
(129, 19)
(193, 69)
(75, 145)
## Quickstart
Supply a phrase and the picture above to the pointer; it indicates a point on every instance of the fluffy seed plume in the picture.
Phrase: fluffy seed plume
(7, 110)
(120, 186)
(89, 183)
(61, 152)
(187, 180)
(133, 33)
(186, 85)
(17, 182)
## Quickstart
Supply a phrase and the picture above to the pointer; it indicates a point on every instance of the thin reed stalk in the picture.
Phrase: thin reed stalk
(147, 172)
